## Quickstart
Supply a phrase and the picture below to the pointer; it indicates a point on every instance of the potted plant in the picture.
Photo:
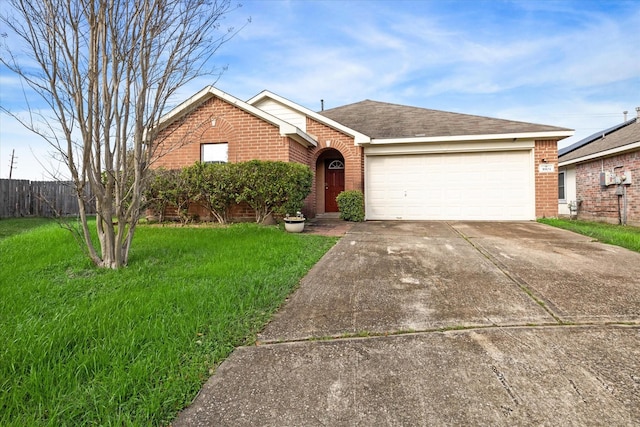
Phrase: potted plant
(294, 224)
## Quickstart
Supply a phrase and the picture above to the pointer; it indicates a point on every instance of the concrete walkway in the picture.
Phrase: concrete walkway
(328, 226)
(436, 323)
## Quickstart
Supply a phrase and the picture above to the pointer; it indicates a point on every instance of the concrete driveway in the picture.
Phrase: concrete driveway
(437, 323)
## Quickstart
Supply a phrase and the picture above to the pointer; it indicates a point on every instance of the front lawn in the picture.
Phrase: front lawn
(624, 236)
(11, 226)
(82, 346)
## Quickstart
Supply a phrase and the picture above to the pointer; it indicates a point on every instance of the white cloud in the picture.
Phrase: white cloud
(561, 63)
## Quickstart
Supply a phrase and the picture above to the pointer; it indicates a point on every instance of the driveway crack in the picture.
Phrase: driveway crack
(518, 281)
(365, 335)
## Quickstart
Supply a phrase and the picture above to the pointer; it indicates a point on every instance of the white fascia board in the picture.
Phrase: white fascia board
(299, 136)
(184, 106)
(251, 109)
(359, 138)
(286, 129)
(463, 138)
(605, 153)
(210, 91)
(449, 147)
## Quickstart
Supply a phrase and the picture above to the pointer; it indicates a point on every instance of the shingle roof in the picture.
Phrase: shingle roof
(614, 137)
(383, 120)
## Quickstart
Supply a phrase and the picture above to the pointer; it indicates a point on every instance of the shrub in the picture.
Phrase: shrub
(155, 196)
(266, 186)
(273, 186)
(298, 180)
(351, 205)
(168, 188)
(179, 194)
(214, 186)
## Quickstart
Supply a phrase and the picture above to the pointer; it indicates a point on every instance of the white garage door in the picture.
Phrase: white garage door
(452, 186)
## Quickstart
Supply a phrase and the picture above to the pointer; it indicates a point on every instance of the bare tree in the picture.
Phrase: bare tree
(106, 69)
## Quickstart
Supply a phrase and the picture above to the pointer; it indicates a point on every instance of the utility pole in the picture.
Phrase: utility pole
(13, 152)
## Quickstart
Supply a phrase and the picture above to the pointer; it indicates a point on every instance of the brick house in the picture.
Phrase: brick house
(411, 163)
(598, 176)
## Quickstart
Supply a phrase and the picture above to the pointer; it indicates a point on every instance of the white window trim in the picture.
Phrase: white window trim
(216, 152)
(564, 186)
(336, 164)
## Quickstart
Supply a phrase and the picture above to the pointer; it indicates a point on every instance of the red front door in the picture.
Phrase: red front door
(334, 184)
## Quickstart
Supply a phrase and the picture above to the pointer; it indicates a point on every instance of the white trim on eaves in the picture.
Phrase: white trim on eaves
(606, 153)
(286, 129)
(359, 138)
(487, 137)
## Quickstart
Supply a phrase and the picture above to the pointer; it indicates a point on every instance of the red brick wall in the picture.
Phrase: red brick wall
(546, 183)
(601, 203)
(298, 153)
(329, 138)
(248, 138)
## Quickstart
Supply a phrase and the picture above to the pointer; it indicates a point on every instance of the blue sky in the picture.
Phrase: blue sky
(573, 64)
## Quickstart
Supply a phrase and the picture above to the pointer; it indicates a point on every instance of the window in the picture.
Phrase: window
(561, 184)
(336, 164)
(214, 153)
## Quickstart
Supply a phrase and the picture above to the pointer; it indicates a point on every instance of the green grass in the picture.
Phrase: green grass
(624, 236)
(11, 226)
(83, 346)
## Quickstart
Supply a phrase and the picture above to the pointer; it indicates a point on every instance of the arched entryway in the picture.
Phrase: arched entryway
(329, 180)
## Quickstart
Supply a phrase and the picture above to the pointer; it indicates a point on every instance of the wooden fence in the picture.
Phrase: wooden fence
(38, 198)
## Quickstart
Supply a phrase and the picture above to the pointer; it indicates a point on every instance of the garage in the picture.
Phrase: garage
(450, 186)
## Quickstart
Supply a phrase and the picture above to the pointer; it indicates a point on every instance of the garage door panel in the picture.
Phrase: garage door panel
(477, 186)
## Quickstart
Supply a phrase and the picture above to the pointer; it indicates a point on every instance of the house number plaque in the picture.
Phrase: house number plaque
(546, 167)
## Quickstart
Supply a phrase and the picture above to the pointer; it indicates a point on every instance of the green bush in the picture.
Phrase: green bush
(214, 186)
(298, 181)
(159, 182)
(273, 186)
(266, 186)
(168, 188)
(351, 205)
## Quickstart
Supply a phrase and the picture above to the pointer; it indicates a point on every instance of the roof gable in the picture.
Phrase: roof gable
(261, 98)
(186, 107)
(286, 113)
(381, 120)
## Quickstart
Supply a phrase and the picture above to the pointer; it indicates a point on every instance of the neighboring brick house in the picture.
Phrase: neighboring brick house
(411, 163)
(599, 176)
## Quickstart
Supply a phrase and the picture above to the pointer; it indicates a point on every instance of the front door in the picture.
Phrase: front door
(334, 184)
